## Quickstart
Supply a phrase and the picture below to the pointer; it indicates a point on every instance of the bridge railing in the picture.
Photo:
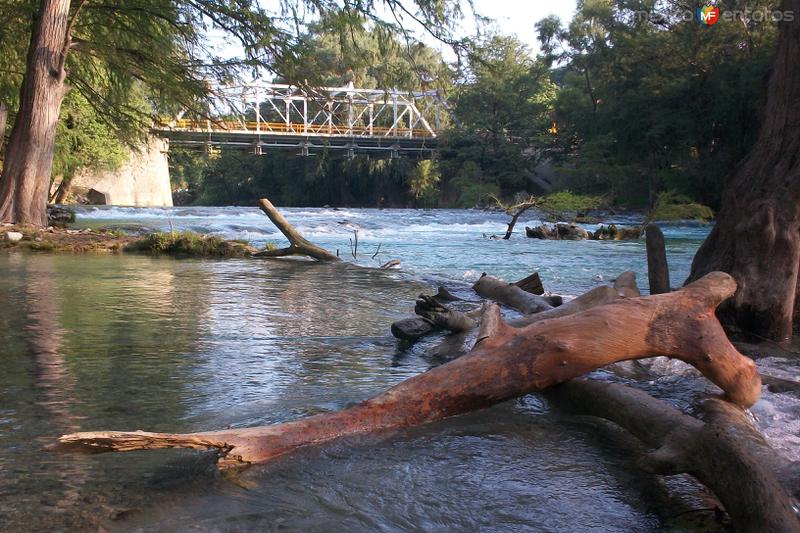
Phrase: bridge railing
(294, 128)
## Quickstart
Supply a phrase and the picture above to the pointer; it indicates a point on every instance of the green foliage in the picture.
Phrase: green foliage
(564, 202)
(135, 61)
(188, 244)
(672, 206)
(424, 180)
(502, 107)
(84, 140)
(656, 102)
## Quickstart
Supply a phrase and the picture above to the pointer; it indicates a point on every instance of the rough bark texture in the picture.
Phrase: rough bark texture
(298, 245)
(657, 267)
(3, 121)
(757, 235)
(506, 362)
(725, 453)
(25, 181)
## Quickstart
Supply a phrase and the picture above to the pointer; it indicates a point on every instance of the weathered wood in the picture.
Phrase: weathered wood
(625, 284)
(510, 295)
(443, 317)
(298, 245)
(505, 363)
(725, 453)
(531, 284)
(412, 328)
(657, 267)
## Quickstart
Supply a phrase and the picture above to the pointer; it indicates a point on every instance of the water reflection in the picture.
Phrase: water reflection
(131, 342)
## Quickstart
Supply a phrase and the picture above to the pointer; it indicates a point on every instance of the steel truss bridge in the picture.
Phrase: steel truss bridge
(357, 121)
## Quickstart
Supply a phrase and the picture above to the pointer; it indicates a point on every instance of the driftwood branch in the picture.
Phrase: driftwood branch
(506, 362)
(725, 453)
(511, 295)
(298, 245)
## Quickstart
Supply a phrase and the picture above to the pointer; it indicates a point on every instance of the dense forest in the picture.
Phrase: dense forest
(622, 103)
(627, 101)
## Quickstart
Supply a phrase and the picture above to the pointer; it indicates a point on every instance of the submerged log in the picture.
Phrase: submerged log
(505, 362)
(725, 453)
(298, 245)
(657, 267)
(510, 295)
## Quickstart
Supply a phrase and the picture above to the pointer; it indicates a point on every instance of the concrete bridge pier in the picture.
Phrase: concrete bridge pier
(143, 181)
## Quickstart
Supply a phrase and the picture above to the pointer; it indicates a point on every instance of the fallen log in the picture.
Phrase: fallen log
(725, 453)
(509, 294)
(505, 362)
(298, 245)
(657, 267)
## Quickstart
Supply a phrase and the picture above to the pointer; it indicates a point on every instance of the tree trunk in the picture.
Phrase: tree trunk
(25, 181)
(506, 362)
(3, 120)
(757, 235)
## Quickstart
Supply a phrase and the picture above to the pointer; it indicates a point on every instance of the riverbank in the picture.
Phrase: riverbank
(111, 241)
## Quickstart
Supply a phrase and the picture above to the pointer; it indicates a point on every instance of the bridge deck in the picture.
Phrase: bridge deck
(304, 137)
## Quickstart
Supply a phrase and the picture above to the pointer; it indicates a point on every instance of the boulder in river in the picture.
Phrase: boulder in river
(561, 231)
(614, 233)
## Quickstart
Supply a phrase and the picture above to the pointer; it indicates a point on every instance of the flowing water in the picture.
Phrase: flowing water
(133, 342)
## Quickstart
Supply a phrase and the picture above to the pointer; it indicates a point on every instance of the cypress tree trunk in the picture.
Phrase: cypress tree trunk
(3, 120)
(25, 181)
(757, 235)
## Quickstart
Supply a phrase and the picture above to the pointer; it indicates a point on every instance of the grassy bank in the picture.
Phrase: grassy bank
(177, 244)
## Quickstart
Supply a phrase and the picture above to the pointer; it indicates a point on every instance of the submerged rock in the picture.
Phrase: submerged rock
(561, 231)
(614, 233)
(59, 216)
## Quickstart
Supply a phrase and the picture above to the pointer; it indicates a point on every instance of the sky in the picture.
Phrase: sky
(519, 16)
(516, 17)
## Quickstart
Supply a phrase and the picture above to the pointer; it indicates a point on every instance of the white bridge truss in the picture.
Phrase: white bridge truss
(274, 116)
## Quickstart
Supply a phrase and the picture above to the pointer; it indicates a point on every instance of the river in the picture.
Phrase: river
(133, 342)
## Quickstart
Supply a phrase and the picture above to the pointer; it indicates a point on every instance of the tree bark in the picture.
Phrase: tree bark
(25, 181)
(724, 453)
(506, 362)
(3, 121)
(298, 245)
(757, 235)
(657, 267)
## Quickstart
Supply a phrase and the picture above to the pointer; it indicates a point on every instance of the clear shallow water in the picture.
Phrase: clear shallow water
(128, 342)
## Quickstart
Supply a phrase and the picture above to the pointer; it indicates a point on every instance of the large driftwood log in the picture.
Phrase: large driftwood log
(511, 295)
(298, 245)
(725, 453)
(506, 362)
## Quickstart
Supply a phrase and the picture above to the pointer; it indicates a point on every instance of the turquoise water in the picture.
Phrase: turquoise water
(132, 342)
(447, 245)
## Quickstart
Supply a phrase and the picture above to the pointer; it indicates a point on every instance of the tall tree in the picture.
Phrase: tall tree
(25, 180)
(757, 235)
